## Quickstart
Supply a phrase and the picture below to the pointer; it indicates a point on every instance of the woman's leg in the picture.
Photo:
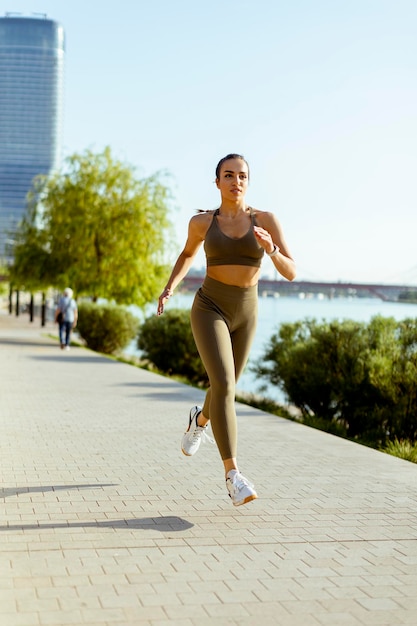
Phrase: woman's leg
(242, 339)
(214, 344)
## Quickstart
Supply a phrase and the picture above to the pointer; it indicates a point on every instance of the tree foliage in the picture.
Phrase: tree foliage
(98, 228)
(32, 268)
(362, 377)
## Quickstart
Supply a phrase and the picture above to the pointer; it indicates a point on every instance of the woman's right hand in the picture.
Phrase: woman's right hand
(165, 295)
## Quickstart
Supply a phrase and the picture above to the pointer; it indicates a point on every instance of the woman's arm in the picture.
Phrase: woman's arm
(196, 232)
(270, 236)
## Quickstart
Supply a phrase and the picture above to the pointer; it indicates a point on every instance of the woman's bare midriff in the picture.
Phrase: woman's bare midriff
(236, 275)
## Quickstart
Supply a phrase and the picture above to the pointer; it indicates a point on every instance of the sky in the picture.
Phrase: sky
(320, 96)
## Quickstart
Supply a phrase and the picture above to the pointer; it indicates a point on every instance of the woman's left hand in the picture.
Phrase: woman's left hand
(264, 239)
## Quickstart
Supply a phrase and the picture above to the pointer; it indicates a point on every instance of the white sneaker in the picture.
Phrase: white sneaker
(240, 489)
(192, 437)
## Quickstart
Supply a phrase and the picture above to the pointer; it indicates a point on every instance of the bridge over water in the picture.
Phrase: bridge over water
(329, 289)
(270, 287)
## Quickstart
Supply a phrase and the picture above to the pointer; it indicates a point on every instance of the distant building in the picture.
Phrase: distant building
(31, 111)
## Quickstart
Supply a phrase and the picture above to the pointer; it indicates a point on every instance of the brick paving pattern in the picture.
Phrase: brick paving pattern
(105, 523)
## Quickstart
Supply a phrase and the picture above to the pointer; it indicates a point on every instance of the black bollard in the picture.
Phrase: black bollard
(31, 307)
(43, 315)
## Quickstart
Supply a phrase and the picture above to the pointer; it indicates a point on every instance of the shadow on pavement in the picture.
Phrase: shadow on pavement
(16, 491)
(162, 524)
(62, 355)
(28, 342)
(164, 382)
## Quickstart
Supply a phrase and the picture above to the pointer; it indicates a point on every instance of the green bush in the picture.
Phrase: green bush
(360, 376)
(167, 342)
(106, 328)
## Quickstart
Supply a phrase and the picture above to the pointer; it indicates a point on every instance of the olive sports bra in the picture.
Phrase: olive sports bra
(223, 250)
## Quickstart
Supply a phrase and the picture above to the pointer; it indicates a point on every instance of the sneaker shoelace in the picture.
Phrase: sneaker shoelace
(239, 482)
(201, 431)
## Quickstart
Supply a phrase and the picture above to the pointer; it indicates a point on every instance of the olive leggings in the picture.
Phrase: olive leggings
(223, 321)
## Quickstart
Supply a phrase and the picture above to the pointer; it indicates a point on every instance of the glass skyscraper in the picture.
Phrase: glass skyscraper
(31, 110)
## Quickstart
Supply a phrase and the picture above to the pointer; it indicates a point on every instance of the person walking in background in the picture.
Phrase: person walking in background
(66, 315)
(224, 311)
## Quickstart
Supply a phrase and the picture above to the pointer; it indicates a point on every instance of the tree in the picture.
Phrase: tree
(31, 269)
(98, 228)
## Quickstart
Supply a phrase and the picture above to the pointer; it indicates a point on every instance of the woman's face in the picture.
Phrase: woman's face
(234, 179)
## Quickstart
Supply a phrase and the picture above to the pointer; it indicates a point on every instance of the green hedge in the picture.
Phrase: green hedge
(358, 378)
(167, 342)
(106, 328)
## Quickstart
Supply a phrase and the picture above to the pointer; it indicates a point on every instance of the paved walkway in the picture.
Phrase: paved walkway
(105, 522)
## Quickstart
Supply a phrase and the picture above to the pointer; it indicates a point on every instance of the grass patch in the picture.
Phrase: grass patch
(402, 448)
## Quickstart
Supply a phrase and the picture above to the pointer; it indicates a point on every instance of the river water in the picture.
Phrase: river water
(273, 311)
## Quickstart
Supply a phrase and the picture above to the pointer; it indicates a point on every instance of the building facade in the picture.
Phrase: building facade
(32, 51)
